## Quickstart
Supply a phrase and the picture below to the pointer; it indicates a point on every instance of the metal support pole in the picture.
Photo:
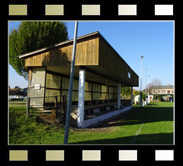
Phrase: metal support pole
(70, 86)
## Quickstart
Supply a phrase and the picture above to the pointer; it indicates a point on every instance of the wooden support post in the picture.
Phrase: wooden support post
(28, 107)
(108, 92)
(119, 96)
(132, 96)
(63, 104)
(56, 106)
(92, 93)
(61, 90)
(64, 107)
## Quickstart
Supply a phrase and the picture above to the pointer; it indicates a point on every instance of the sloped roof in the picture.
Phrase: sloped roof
(162, 87)
(93, 53)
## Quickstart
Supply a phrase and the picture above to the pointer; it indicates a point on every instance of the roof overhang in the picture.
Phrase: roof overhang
(102, 63)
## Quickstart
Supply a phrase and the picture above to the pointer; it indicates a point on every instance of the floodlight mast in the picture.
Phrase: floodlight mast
(148, 84)
(67, 123)
(141, 83)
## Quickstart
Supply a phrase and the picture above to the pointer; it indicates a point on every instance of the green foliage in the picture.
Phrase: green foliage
(160, 97)
(31, 36)
(143, 96)
(137, 93)
(125, 91)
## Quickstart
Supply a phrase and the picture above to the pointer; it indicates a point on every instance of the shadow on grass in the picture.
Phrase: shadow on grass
(162, 138)
(140, 115)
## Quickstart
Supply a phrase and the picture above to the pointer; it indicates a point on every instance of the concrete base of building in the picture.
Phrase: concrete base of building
(97, 119)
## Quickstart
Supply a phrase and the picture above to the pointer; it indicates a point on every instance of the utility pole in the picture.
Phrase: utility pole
(141, 83)
(67, 123)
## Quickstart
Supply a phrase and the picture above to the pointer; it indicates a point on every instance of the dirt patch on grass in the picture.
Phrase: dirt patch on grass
(50, 119)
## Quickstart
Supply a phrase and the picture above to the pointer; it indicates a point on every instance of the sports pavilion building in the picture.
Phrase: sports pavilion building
(99, 74)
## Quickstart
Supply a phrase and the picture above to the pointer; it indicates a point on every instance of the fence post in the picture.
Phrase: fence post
(56, 106)
(64, 107)
(27, 107)
(64, 104)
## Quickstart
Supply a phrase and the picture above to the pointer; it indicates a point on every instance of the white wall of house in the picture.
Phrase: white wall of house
(162, 91)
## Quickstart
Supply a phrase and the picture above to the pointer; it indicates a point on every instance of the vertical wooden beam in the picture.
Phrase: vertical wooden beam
(92, 93)
(119, 96)
(30, 74)
(61, 90)
(132, 96)
(56, 106)
(44, 88)
(108, 92)
(27, 107)
(64, 106)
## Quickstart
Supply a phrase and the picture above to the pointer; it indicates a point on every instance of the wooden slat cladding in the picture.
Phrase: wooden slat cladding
(87, 53)
(112, 62)
(93, 52)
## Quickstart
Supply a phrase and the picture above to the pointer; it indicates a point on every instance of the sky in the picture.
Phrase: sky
(131, 40)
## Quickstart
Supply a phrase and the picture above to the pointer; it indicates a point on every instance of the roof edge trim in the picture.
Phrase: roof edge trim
(56, 45)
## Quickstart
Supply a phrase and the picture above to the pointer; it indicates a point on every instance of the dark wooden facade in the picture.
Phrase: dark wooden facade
(102, 63)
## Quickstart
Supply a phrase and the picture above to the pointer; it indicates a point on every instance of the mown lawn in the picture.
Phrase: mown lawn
(152, 124)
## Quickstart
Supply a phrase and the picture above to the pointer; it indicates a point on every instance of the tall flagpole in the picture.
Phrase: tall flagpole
(67, 123)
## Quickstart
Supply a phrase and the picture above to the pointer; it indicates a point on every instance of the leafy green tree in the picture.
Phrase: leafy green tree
(30, 36)
(125, 91)
(143, 96)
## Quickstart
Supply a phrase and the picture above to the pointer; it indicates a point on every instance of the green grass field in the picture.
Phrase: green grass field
(152, 124)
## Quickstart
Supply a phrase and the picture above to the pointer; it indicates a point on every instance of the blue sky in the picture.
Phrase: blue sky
(131, 39)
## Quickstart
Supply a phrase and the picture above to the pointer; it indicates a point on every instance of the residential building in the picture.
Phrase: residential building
(162, 90)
